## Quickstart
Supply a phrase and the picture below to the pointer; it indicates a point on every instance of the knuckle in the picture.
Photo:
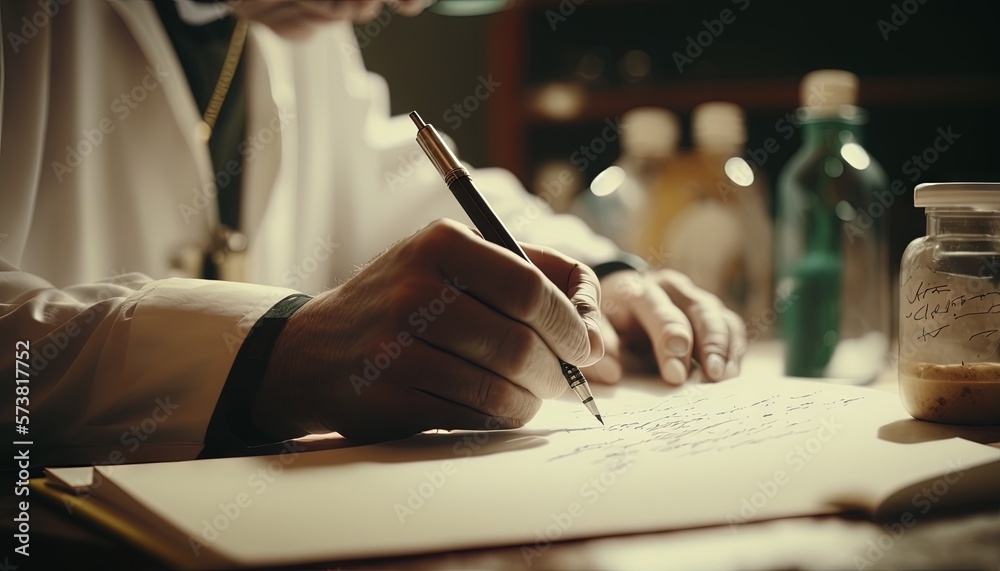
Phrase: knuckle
(531, 297)
(502, 399)
(514, 351)
(485, 394)
(519, 413)
(436, 237)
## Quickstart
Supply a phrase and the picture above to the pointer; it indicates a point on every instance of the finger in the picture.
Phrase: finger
(328, 11)
(417, 387)
(669, 330)
(457, 381)
(707, 317)
(504, 281)
(609, 368)
(580, 284)
(408, 7)
(465, 327)
(289, 20)
(737, 344)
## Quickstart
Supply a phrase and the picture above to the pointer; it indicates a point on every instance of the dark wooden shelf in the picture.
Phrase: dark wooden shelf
(772, 95)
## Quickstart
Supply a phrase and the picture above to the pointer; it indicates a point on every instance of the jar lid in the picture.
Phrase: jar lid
(969, 194)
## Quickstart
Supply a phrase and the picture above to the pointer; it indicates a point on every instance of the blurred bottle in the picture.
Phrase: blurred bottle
(617, 202)
(635, 66)
(831, 256)
(558, 183)
(711, 215)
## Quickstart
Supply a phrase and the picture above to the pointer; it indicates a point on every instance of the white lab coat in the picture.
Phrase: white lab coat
(103, 178)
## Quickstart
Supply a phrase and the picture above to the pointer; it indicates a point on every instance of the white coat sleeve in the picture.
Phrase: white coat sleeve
(122, 371)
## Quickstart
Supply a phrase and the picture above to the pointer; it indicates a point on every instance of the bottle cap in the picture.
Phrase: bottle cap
(650, 132)
(824, 91)
(984, 195)
(718, 125)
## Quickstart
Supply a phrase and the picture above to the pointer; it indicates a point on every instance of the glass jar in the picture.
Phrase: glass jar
(949, 307)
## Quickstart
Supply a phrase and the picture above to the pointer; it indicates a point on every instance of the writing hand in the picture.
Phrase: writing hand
(664, 314)
(443, 330)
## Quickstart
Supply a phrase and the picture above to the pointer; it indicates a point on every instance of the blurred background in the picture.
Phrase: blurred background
(533, 88)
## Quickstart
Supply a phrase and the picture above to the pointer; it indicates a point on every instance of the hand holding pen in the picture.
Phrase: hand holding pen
(444, 330)
(490, 226)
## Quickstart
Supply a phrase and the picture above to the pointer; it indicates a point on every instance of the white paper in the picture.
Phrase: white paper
(709, 454)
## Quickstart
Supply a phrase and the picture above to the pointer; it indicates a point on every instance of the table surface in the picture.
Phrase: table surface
(969, 539)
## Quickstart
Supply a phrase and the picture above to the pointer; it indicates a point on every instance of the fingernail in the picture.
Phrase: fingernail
(678, 346)
(674, 371)
(715, 366)
(732, 370)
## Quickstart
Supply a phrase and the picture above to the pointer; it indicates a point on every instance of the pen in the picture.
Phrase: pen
(489, 225)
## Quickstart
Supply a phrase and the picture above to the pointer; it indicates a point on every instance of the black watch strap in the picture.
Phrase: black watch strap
(231, 429)
(624, 261)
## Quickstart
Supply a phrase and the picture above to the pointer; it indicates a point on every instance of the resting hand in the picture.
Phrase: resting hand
(664, 315)
(297, 19)
(443, 330)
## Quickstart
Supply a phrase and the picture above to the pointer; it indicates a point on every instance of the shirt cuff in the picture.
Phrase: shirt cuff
(231, 430)
(624, 261)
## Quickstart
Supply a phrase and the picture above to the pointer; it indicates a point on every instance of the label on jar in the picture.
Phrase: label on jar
(949, 318)
(949, 344)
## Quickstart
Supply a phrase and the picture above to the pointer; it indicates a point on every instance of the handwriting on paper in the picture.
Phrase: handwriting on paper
(678, 425)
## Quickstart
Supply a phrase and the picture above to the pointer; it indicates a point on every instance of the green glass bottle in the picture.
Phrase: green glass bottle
(831, 255)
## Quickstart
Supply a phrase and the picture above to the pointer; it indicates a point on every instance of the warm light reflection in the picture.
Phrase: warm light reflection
(561, 100)
(739, 171)
(855, 156)
(845, 211)
(608, 181)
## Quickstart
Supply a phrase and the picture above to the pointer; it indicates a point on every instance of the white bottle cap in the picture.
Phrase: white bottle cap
(650, 132)
(718, 125)
(983, 195)
(824, 91)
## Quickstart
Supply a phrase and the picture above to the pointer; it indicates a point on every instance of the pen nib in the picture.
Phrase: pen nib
(600, 419)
